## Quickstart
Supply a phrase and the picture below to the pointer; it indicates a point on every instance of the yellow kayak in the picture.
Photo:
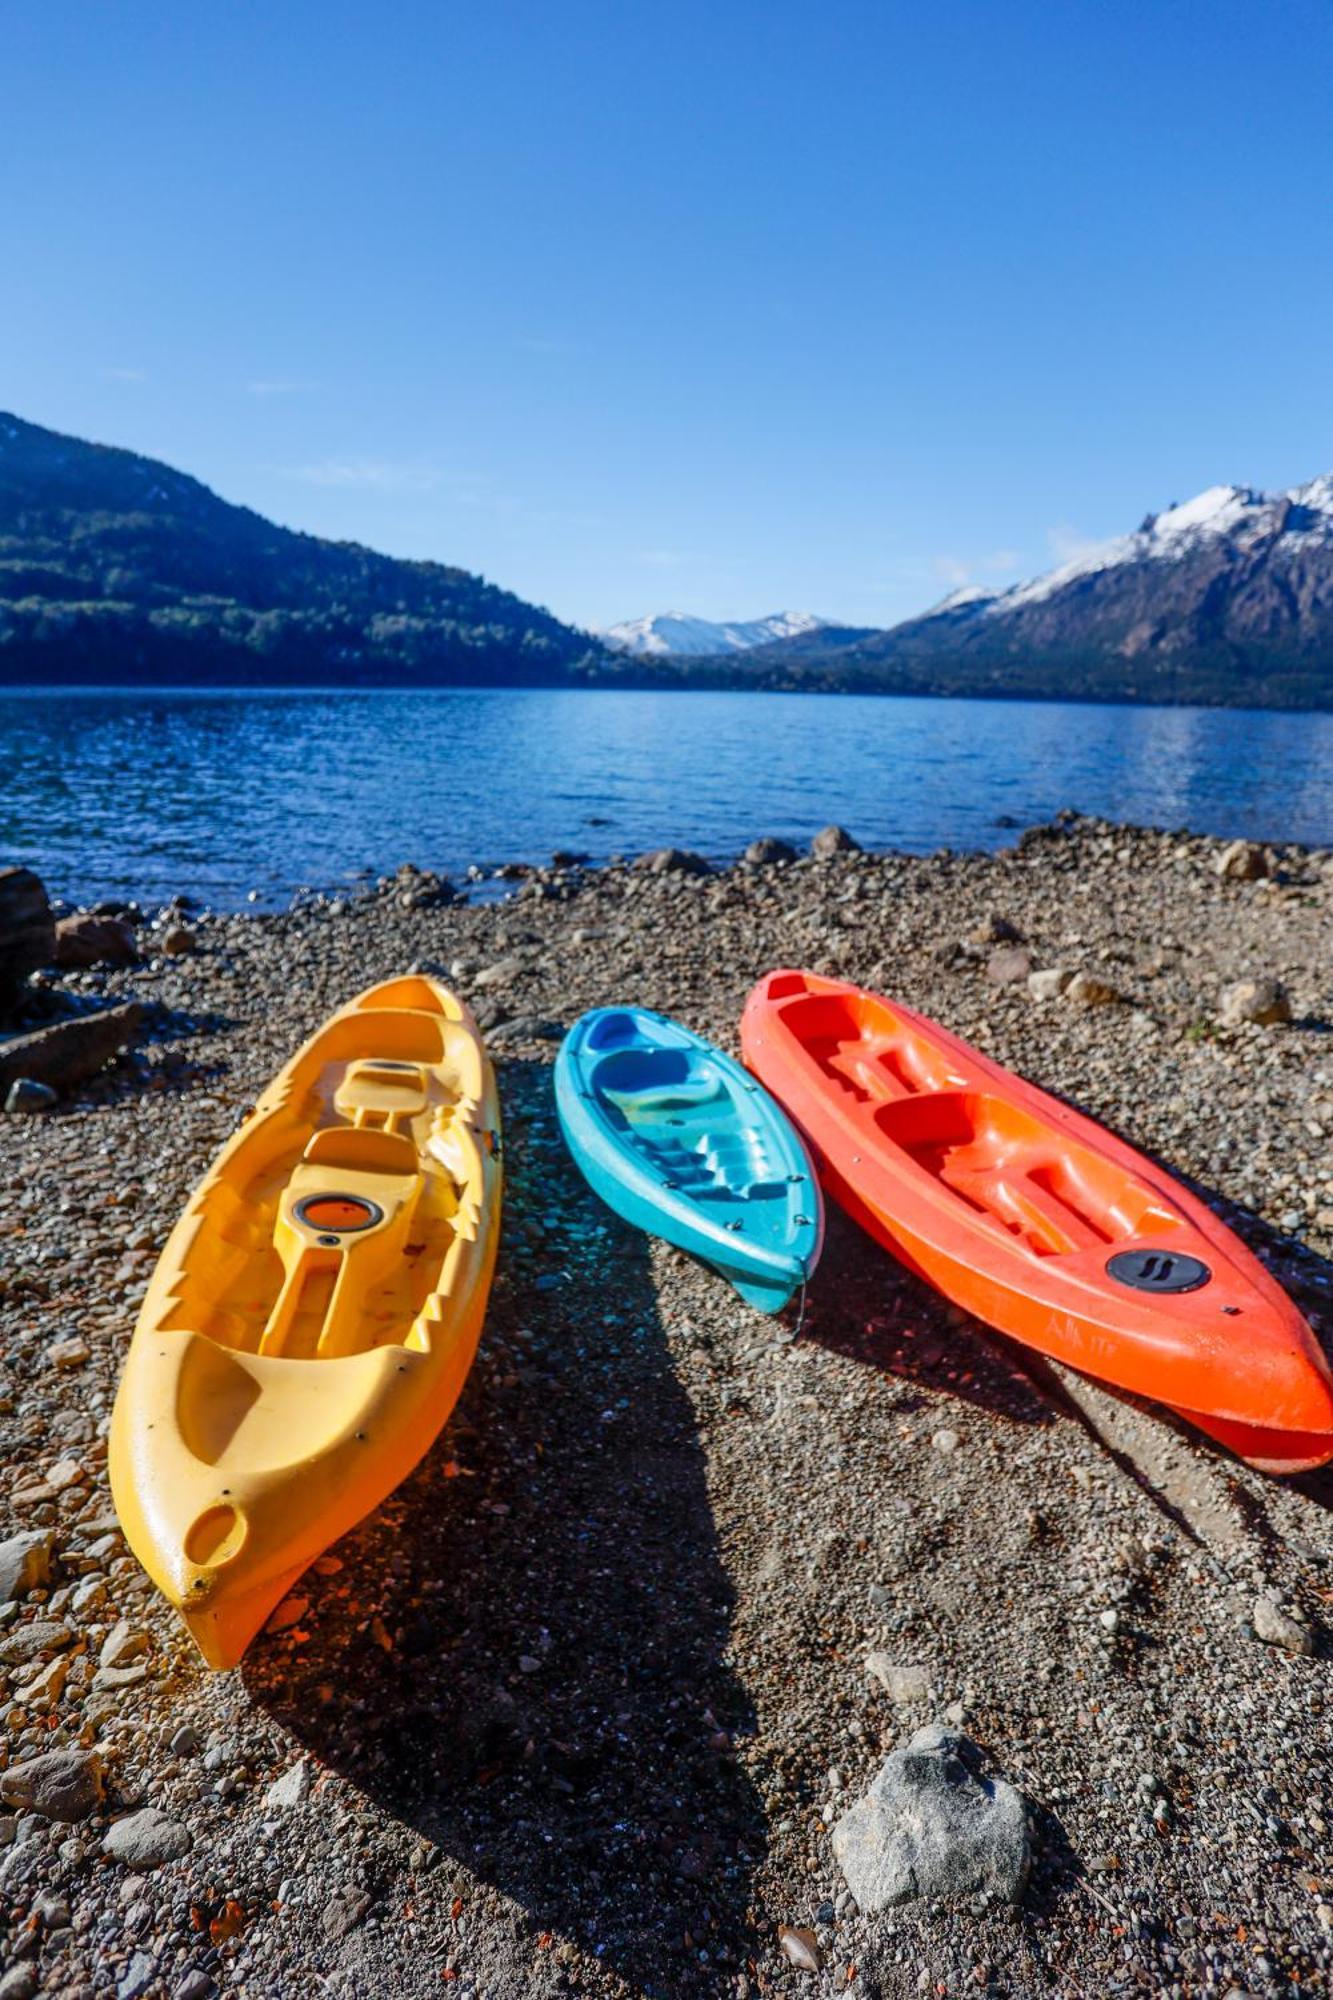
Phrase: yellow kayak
(314, 1314)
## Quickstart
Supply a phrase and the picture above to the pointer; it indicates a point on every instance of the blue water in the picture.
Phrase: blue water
(220, 794)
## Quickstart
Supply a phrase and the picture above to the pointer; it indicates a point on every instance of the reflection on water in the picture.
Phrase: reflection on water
(219, 793)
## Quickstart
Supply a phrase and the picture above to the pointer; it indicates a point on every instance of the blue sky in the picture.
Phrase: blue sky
(721, 306)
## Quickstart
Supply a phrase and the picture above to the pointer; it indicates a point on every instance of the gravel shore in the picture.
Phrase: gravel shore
(576, 1711)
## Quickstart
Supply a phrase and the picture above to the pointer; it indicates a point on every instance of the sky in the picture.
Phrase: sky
(721, 307)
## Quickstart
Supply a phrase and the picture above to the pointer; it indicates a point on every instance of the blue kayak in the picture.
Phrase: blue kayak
(681, 1141)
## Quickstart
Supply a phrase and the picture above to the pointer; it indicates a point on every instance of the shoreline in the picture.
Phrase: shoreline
(574, 1712)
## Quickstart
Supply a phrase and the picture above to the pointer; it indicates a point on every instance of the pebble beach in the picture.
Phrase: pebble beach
(580, 1709)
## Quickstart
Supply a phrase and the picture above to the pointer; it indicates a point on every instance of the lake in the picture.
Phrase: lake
(219, 794)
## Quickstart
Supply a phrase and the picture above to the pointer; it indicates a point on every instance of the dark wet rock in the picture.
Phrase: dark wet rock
(69, 1052)
(25, 1096)
(178, 940)
(1263, 1000)
(672, 861)
(25, 1563)
(831, 840)
(27, 929)
(147, 1839)
(932, 1825)
(84, 939)
(60, 1784)
(768, 852)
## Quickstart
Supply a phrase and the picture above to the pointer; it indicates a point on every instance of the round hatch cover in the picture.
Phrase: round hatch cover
(1158, 1271)
(342, 1213)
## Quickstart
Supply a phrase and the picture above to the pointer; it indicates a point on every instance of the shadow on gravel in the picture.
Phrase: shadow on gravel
(523, 1656)
(867, 1306)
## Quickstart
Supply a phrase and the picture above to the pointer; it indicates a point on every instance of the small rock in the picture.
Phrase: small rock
(185, 1742)
(291, 1789)
(19, 1983)
(1277, 1627)
(1010, 965)
(139, 1976)
(196, 1985)
(60, 1784)
(1263, 1000)
(903, 1681)
(122, 1644)
(932, 1826)
(147, 1839)
(70, 1353)
(502, 973)
(178, 941)
(946, 1441)
(1049, 983)
(672, 861)
(995, 930)
(1242, 861)
(343, 1912)
(831, 840)
(25, 1563)
(800, 1947)
(1085, 989)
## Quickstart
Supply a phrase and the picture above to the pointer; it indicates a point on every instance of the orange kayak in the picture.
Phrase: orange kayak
(1037, 1220)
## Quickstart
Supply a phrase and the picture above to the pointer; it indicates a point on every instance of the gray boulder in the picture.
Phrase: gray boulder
(60, 1784)
(933, 1826)
(768, 852)
(147, 1839)
(672, 861)
(25, 1563)
(831, 840)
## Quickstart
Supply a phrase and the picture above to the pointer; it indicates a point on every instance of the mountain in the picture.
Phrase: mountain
(1227, 598)
(670, 633)
(115, 567)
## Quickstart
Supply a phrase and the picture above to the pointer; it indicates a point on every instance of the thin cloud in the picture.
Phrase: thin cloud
(125, 374)
(379, 475)
(660, 558)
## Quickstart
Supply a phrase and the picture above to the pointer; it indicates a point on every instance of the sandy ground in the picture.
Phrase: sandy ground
(573, 1713)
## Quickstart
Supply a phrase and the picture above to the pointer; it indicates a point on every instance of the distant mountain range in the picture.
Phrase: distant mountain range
(1227, 598)
(114, 567)
(675, 632)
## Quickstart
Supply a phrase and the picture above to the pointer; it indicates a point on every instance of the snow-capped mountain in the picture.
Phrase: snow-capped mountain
(1226, 597)
(672, 633)
(1235, 519)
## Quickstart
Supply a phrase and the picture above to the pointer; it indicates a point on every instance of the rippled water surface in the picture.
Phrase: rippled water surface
(217, 794)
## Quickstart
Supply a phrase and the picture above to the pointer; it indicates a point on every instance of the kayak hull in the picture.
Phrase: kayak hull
(680, 1141)
(1037, 1220)
(315, 1312)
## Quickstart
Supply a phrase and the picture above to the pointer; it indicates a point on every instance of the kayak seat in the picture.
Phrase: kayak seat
(1058, 1198)
(362, 1149)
